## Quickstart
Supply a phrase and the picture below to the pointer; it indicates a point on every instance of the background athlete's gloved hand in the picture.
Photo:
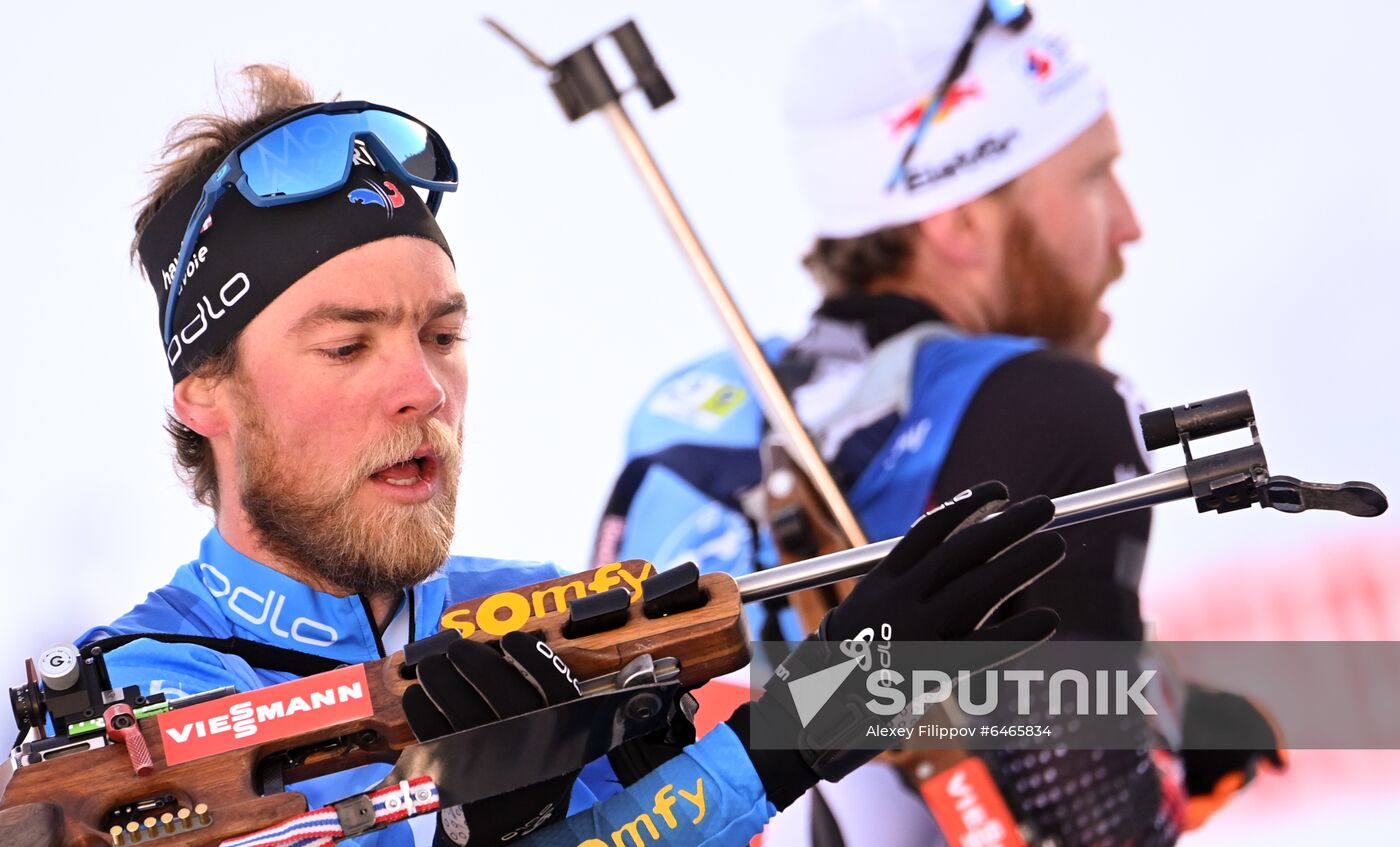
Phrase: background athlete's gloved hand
(1214, 718)
(934, 586)
(474, 684)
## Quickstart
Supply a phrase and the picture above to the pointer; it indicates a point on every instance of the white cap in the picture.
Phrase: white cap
(859, 89)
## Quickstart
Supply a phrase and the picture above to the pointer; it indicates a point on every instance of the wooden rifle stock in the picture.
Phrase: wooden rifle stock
(97, 790)
(77, 800)
(32, 825)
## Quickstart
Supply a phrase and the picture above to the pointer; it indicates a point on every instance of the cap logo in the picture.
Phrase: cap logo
(911, 117)
(1039, 64)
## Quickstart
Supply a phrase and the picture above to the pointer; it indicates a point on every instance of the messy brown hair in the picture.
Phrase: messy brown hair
(844, 266)
(193, 147)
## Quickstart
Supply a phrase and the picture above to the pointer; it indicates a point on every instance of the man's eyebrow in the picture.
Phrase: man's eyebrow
(332, 313)
(456, 304)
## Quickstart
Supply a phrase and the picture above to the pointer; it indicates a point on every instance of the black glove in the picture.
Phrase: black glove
(931, 587)
(474, 684)
(1213, 719)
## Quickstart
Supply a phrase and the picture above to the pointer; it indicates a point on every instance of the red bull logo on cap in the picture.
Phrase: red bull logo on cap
(959, 93)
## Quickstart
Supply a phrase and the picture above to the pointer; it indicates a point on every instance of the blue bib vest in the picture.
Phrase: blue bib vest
(704, 417)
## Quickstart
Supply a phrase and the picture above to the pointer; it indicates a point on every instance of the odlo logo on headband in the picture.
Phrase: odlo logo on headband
(208, 311)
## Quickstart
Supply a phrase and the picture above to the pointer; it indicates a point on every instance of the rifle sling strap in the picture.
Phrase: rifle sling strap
(263, 656)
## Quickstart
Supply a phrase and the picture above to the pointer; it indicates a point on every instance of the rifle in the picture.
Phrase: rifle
(126, 769)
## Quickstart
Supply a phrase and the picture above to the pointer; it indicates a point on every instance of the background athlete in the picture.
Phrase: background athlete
(969, 222)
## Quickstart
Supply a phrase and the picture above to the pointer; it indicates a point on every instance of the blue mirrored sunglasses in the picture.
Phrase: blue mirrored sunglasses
(308, 154)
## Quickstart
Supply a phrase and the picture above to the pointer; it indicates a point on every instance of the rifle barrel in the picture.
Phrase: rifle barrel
(1127, 496)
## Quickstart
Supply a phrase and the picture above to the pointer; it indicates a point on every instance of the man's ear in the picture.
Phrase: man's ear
(966, 236)
(201, 404)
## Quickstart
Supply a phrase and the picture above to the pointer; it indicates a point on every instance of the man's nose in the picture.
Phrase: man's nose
(415, 389)
(1126, 228)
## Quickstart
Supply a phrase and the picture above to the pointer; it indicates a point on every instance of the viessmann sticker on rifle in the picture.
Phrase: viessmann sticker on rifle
(969, 807)
(508, 611)
(267, 714)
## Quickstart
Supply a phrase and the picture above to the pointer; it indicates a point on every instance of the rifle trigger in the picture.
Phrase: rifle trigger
(639, 671)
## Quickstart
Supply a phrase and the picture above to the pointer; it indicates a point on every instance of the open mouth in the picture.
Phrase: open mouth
(420, 467)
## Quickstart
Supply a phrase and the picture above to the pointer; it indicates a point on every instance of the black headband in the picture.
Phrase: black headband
(247, 256)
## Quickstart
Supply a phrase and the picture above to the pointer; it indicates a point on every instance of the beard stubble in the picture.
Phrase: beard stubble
(1044, 299)
(314, 523)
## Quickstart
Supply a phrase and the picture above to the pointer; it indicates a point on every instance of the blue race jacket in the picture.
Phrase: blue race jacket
(224, 593)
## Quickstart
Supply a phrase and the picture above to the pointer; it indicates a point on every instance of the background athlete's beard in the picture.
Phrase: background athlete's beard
(311, 519)
(1045, 302)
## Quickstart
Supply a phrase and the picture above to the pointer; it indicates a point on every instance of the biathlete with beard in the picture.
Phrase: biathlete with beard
(313, 324)
(968, 223)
